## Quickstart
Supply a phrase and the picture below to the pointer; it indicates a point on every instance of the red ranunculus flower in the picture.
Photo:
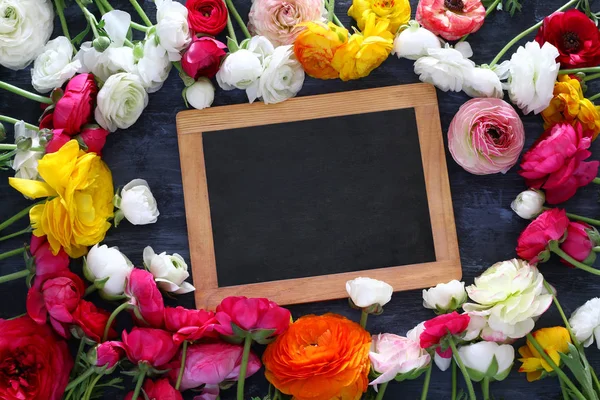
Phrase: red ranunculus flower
(203, 57)
(438, 327)
(34, 364)
(190, 325)
(76, 106)
(47, 121)
(153, 346)
(451, 19)
(159, 390)
(556, 163)
(46, 263)
(207, 16)
(59, 139)
(92, 321)
(581, 239)
(94, 138)
(145, 296)
(574, 35)
(251, 314)
(532, 245)
(108, 354)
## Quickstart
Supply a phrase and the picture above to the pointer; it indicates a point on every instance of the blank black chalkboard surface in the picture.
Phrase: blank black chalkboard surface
(289, 201)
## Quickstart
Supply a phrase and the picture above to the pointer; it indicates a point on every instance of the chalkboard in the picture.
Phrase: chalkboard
(316, 191)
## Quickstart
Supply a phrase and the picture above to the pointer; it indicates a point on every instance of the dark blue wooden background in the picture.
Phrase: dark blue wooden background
(487, 228)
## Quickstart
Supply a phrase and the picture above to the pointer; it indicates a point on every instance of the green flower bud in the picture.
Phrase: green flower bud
(101, 43)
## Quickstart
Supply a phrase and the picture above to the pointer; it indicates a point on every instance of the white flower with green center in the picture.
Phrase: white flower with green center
(169, 271)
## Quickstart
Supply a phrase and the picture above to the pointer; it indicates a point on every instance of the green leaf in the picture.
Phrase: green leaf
(475, 375)
(573, 361)
(512, 6)
(493, 368)
(79, 38)
(232, 45)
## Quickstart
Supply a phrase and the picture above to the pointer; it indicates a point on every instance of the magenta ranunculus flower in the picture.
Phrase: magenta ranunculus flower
(451, 19)
(486, 136)
(580, 242)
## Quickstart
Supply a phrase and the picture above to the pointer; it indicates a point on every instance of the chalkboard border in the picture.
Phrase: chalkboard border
(421, 97)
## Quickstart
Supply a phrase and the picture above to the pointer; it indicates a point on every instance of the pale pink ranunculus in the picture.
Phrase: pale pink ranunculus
(451, 19)
(486, 136)
(278, 20)
(392, 355)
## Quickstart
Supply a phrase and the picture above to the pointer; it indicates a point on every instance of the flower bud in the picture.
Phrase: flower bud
(367, 292)
(136, 203)
(23, 143)
(108, 269)
(101, 43)
(487, 360)
(170, 272)
(45, 136)
(201, 94)
(445, 297)
(107, 354)
(529, 204)
(414, 41)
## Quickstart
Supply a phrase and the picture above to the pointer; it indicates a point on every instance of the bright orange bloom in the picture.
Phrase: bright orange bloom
(320, 358)
(315, 47)
(553, 340)
(571, 106)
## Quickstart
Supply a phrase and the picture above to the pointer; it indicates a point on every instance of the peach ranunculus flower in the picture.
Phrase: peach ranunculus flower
(316, 46)
(451, 19)
(569, 105)
(395, 11)
(280, 20)
(320, 358)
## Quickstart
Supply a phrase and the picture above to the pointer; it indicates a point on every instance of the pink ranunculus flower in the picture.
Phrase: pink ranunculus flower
(393, 355)
(145, 297)
(486, 136)
(107, 354)
(251, 315)
(278, 20)
(532, 244)
(190, 325)
(580, 242)
(152, 346)
(451, 19)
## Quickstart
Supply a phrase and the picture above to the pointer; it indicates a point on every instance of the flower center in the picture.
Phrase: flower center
(15, 370)
(454, 5)
(571, 41)
(494, 134)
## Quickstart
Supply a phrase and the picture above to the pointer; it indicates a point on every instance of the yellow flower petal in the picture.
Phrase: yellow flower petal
(32, 189)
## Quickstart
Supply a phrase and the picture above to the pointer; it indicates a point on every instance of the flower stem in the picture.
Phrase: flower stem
(594, 97)
(525, 33)
(12, 235)
(230, 29)
(60, 10)
(244, 367)
(25, 93)
(577, 70)
(553, 246)
(588, 78)
(90, 289)
(111, 319)
(182, 368)
(139, 27)
(90, 389)
(238, 18)
(13, 276)
(77, 356)
(337, 21)
(14, 121)
(488, 11)
(579, 218)
(79, 379)
(138, 385)
(381, 392)
(453, 379)
(17, 217)
(363, 319)
(141, 13)
(426, 382)
(8, 146)
(91, 18)
(330, 10)
(101, 7)
(485, 388)
(462, 367)
(11, 253)
(563, 389)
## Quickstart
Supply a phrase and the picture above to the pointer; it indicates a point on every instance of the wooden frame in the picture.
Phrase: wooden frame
(421, 97)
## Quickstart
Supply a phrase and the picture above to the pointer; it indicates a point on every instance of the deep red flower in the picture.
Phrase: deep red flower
(92, 321)
(47, 121)
(46, 263)
(59, 139)
(153, 346)
(207, 16)
(251, 314)
(94, 138)
(159, 390)
(575, 36)
(438, 327)
(581, 239)
(145, 296)
(532, 244)
(76, 107)
(34, 364)
(190, 325)
(203, 57)
(108, 354)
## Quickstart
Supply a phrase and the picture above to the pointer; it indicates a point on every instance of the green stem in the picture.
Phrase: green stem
(577, 70)
(363, 319)
(90, 389)
(138, 385)
(17, 217)
(553, 246)
(4, 146)
(594, 378)
(330, 10)
(579, 217)
(337, 21)
(106, 5)
(230, 29)
(488, 11)
(139, 27)
(462, 367)
(12, 235)
(182, 368)
(588, 78)
(101, 7)
(25, 93)
(453, 379)
(91, 18)
(563, 389)
(381, 391)
(238, 18)
(14, 121)
(485, 388)
(141, 13)
(426, 381)
(9, 155)
(525, 33)
(77, 355)
(244, 367)
(112, 318)
(594, 97)
(14, 252)
(60, 10)
(90, 289)
(80, 379)
(14, 275)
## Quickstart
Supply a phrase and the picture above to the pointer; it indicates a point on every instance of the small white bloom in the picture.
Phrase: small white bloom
(121, 101)
(172, 27)
(54, 66)
(529, 204)
(533, 71)
(137, 203)
(442, 363)
(170, 272)
(445, 297)
(116, 25)
(111, 61)
(25, 162)
(282, 77)
(479, 360)
(104, 262)
(25, 27)
(241, 70)
(478, 328)
(366, 292)
(260, 46)
(154, 66)
(446, 68)
(585, 322)
(414, 41)
(483, 82)
(201, 94)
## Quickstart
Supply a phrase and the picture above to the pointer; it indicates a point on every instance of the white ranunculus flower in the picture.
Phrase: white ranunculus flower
(111, 61)
(483, 82)
(54, 66)
(446, 68)
(121, 101)
(25, 162)
(585, 322)
(116, 25)
(172, 27)
(415, 333)
(137, 203)
(154, 66)
(282, 77)
(107, 263)
(510, 294)
(479, 358)
(478, 328)
(441, 362)
(259, 45)
(201, 94)
(170, 272)
(414, 41)
(445, 297)
(529, 204)
(532, 73)
(25, 27)
(366, 292)
(241, 70)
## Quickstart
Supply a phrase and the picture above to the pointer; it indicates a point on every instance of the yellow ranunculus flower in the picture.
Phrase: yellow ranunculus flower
(315, 47)
(553, 340)
(80, 188)
(569, 104)
(364, 51)
(395, 11)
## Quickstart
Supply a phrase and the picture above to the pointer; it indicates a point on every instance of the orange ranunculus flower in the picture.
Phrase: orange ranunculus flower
(552, 340)
(320, 358)
(571, 106)
(315, 47)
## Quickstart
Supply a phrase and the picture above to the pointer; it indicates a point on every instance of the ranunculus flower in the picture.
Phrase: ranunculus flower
(104, 64)
(207, 16)
(414, 41)
(483, 82)
(160, 389)
(120, 102)
(190, 325)
(251, 315)
(201, 94)
(451, 19)
(580, 241)
(315, 47)
(212, 364)
(585, 322)
(510, 294)
(34, 363)
(46, 263)
(445, 297)
(54, 66)
(91, 321)
(154, 66)
(25, 27)
(529, 204)
(137, 204)
(58, 139)
(479, 328)
(107, 354)
(170, 272)
(25, 162)
(241, 70)
(116, 25)
(397, 12)
(152, 346)
(328, 352)
(575, 36)
(107, 264)
(75, 108)
(446, 68)
(555, 163)
(172, 27)
(203, 57)
(487, 360)
(532, 244)
(209, 392)
(145, 297)
(366, 292)
(440, 326)
(553, 340)
(486, 136)
(282, 77)
(94, 137)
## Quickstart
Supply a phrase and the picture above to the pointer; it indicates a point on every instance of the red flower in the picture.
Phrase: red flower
(161, 389)
(532, 245)
(33, 363)
(47, 121)
(46, 263)
(439, 327)
(153, 346)
(207, 16)
(108, 354)
(251, 314)
(556, 163)
(203, 57)
(451, 19)
(59, 139)
(574, 35)
(92, 321)
(579, 242)
(76, 106)
(145, 296)
(190, 325)
(94, 138)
